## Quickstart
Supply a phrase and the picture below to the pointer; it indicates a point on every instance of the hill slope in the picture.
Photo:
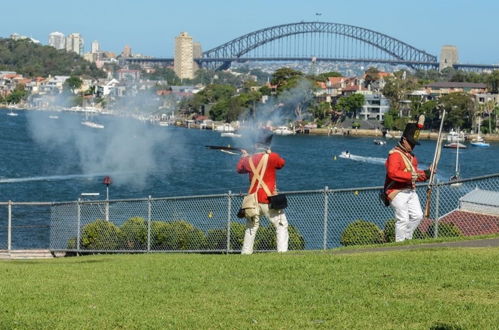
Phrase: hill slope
(31, 60)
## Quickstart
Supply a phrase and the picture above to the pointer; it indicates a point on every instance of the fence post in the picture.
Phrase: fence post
(326, 209)
(437, 209)
(78, 220)
(9, 227)
(149, 224)
(229, 208)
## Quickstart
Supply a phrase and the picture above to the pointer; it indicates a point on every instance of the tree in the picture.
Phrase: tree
(372, 75)
(285, 78)
(493, 81)
(17, 95)
(351, 104)
(397, 87)
(72, 84)
(460, 110)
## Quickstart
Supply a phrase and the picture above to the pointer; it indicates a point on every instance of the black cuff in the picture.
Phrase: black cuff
(427, 173)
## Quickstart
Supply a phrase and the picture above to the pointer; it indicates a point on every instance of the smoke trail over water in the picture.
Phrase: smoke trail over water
(125, 146)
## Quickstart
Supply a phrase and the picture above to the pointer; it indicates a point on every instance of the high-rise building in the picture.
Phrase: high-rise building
(95, 47)
(57, 40)
(448, 57)
(127, 51)
(185, 52)
(74, 43)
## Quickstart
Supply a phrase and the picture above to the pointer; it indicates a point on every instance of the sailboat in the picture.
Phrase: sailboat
(457, 176)
(479, 141)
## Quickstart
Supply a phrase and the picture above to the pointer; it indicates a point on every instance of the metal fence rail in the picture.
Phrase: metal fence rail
(319, 219)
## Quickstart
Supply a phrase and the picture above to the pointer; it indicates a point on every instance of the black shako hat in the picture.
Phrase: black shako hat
(264, 137)
(412, 130)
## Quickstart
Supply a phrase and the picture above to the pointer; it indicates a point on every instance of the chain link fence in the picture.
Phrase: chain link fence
(319, 219)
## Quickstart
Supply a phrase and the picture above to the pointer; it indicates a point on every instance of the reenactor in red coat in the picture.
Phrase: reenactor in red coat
(402, 173)
(264, 163)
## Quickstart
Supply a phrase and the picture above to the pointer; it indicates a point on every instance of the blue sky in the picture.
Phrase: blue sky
(150, 26)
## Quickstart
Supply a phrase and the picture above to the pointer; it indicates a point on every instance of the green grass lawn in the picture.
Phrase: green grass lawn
(418, 289)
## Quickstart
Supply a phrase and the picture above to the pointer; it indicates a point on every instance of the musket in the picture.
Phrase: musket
(436, 159)
(227, 149)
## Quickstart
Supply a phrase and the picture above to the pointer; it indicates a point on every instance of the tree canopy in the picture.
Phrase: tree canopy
(32, 60)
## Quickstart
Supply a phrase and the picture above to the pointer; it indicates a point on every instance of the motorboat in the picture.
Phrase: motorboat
(163, 123)
(345, 154)
(54, 117)
(379, 142)
(480, 144)
(283, 130)
(12, 113)
(455, 145)
(454, 136)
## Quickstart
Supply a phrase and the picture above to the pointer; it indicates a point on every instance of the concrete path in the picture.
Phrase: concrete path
(486, 242)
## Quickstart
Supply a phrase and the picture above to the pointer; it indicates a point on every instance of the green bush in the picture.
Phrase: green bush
(389, 231)
(217, 238)
(176, 235)
(266, 238)
(101, 235)
(361, 232)
(445, 229)
(134, 233)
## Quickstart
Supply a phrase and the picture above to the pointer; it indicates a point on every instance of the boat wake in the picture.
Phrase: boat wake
(51, 178)
(370, 160)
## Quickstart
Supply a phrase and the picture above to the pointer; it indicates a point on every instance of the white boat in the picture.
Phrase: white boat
(12, 113)
(379, 142)
(225, 128)
(479, 141)
(480, 144)
(454, 136)
(455, 145)
(283, 130)
(230, 134)
(91, 124)
(163, 123)
(54, 117)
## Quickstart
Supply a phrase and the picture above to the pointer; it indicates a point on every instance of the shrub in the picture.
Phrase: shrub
(389, 231)
(266, 238)
(134, 233)
(445, 229)
(176, 235)
(101, 235)
(361, 232)
(217, 238)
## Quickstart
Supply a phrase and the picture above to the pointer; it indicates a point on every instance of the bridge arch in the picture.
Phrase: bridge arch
(394, 48)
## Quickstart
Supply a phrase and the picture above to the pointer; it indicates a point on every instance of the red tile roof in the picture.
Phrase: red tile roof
(469, 223)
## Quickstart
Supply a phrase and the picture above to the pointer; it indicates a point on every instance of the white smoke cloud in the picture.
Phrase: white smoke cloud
(128, 147)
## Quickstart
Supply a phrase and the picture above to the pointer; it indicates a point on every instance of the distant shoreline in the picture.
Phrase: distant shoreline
(424, 135)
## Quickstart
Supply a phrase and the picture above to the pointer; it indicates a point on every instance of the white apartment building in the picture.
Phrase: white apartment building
(74, 43)
(183, 62)
(57, 40)
(95, 47)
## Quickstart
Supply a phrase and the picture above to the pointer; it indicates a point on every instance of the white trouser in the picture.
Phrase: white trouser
(408, 214)
(277, 218)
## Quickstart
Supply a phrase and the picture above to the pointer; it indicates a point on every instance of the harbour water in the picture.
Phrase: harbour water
(45, 158)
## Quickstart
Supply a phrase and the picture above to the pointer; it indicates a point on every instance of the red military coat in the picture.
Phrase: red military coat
(398, 176)
(274, 163)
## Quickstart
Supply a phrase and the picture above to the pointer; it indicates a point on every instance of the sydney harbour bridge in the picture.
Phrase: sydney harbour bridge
(318, 41)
